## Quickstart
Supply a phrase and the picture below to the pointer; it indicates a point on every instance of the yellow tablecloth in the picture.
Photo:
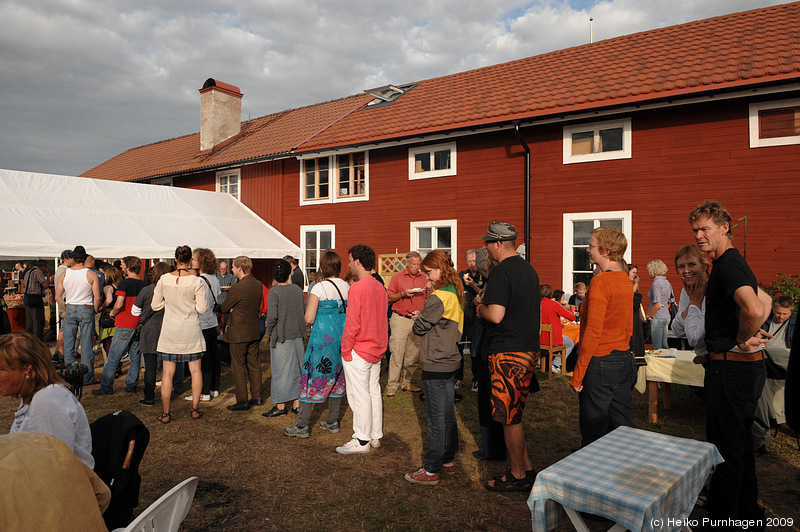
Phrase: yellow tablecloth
(678, 370)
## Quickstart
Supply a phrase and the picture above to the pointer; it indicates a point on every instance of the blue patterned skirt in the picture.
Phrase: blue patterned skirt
(322, 375)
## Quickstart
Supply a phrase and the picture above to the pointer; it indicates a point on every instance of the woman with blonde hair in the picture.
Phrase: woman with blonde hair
(440, 324)
(660, 296)
(45, 405)
(182, 295)
(692, 266)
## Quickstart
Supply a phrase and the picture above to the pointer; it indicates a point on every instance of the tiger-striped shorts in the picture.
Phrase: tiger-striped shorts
(510, 375)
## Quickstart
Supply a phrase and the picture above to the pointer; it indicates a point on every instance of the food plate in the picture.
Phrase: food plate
(416, 290)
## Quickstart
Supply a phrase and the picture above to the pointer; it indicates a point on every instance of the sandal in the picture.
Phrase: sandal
(165, 418)
(196, 414)
(511, 483)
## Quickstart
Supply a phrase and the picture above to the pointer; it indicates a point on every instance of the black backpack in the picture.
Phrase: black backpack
(118, 444)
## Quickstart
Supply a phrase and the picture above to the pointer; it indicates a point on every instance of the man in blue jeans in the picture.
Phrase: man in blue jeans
(126, 323)
(78, 295)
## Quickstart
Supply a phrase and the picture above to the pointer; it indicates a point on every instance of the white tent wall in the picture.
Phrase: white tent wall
(43, 214)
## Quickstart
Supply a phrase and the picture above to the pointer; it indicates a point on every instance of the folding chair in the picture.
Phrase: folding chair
(553, 351)
(168, 512)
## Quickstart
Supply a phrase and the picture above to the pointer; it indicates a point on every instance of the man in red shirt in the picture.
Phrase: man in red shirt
(363, 344)
(407, 295)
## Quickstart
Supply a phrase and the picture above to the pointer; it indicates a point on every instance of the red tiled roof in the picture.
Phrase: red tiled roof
(740, 49)
(263, 137)
(726, 52)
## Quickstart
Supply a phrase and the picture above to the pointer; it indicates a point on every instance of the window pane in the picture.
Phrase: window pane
(311, 240)
(223, 180)
(776, 123)
(441, 160)
(311, 177)
(422, 162)
(234, 190)
(424, 237)
(344, 181)
(443, 237)
(580, 232)
(611, 223)
(322, 163)
(611, 139)
(324, 241)
(582, 142)
(323, 190)
(311, 260)
(310, 192)
(580, 259)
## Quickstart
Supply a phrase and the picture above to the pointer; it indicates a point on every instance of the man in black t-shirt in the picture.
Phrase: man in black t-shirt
(510, 308)
(735, 373)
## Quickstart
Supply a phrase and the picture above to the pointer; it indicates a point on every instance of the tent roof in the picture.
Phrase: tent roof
(43, 214)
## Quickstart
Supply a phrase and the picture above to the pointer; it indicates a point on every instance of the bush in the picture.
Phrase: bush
(787, 285)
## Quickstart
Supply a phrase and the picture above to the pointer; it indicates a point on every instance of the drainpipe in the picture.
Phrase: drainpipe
(527, 190)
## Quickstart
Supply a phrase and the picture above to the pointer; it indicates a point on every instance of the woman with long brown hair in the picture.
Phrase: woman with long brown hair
(440, 324)
(27, 372)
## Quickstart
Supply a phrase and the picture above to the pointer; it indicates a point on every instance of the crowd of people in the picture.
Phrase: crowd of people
(426, 316)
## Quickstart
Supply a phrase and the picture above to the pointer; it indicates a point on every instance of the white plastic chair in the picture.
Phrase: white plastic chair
(168, 512)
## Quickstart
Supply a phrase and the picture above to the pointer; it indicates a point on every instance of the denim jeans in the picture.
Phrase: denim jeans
(80, 317)
(605, 401)
(570, 345)
(121, 338)
(442, 427)
(658, 332)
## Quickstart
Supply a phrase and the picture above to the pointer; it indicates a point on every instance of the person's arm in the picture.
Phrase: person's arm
(158, 297)
(231, 300)
(352, 324)
(60, 294)
(311, 309)
(45, 283)
(751, 315)
(561, 311)
(655, 308)
(431, 315)
(200, 301)
(695, 324)
(272, 311)
(596, 306)
(95, 282)
(119, 304)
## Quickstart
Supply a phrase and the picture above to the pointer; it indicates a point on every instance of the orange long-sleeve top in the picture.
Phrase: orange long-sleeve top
(606, 320)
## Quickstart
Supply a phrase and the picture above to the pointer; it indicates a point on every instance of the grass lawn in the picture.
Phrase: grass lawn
(254, 478)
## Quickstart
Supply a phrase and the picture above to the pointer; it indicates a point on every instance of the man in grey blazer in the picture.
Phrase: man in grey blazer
(242, 333)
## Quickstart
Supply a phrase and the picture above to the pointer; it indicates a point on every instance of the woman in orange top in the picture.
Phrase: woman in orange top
(605, 371)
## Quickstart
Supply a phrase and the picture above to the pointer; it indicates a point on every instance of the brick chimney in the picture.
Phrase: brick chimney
(220, 113)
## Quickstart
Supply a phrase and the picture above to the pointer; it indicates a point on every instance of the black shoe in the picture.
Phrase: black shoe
(241, 405)
(457, 397)
(275, 412)
(296, 411)
(256, 402)
(130, 389)
(100, 391)
(145, 402)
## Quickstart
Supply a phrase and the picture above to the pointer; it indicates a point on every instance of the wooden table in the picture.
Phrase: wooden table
(678, 370)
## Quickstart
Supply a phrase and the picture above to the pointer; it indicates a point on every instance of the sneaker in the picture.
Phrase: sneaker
(333, 428)
(125, 358)
(391, 392)
(203, 397)
(214, 393)
(450, 469)
(411, 388)
(458, 384)
(353, 447)
(421, 476)
(375, 443)
(297, 432)
(144, 402)
(475, 387)
(158, 383)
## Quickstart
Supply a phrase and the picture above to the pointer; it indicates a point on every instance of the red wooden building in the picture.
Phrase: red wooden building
(634, 131)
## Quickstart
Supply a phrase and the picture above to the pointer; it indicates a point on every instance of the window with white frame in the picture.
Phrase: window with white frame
(775, 123)
(432, 161)
(437, 234)
(334, 178)
(577, 232)
(600, 141)
(228, 183)
(162, 181)
(316, 240)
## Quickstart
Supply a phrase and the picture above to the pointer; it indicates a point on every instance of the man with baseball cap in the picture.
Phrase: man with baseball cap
(510, 307)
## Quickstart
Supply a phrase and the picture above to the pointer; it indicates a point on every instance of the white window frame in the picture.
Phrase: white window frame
(162, 181)
(308, 228)
(453, 224)
(333, 180)
(568, 234)
(238, 173)
(431, 148)
(758, 142)
(624, 153)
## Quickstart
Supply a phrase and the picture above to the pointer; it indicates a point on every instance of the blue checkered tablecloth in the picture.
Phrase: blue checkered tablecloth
(636, 478)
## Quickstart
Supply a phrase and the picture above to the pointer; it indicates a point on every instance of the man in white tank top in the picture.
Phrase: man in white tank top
(78, 295)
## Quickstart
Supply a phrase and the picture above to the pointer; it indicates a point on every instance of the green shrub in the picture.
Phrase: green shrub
(788, 285)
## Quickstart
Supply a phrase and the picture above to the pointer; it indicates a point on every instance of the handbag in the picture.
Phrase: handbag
(106, 320)
(217, 308)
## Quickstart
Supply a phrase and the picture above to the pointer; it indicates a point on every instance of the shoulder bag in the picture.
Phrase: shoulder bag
(217, 308)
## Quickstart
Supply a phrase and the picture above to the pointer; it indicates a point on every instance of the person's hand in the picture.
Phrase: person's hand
(414, 315)
(576, 389)
(404, 294)
(757, 341)
(697, 291)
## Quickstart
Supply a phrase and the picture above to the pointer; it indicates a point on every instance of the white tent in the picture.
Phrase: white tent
(43, 214)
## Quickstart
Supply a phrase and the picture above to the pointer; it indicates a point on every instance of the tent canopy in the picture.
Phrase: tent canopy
(43, 214)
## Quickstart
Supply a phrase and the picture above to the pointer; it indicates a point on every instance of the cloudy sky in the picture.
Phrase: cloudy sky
(82, 80)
